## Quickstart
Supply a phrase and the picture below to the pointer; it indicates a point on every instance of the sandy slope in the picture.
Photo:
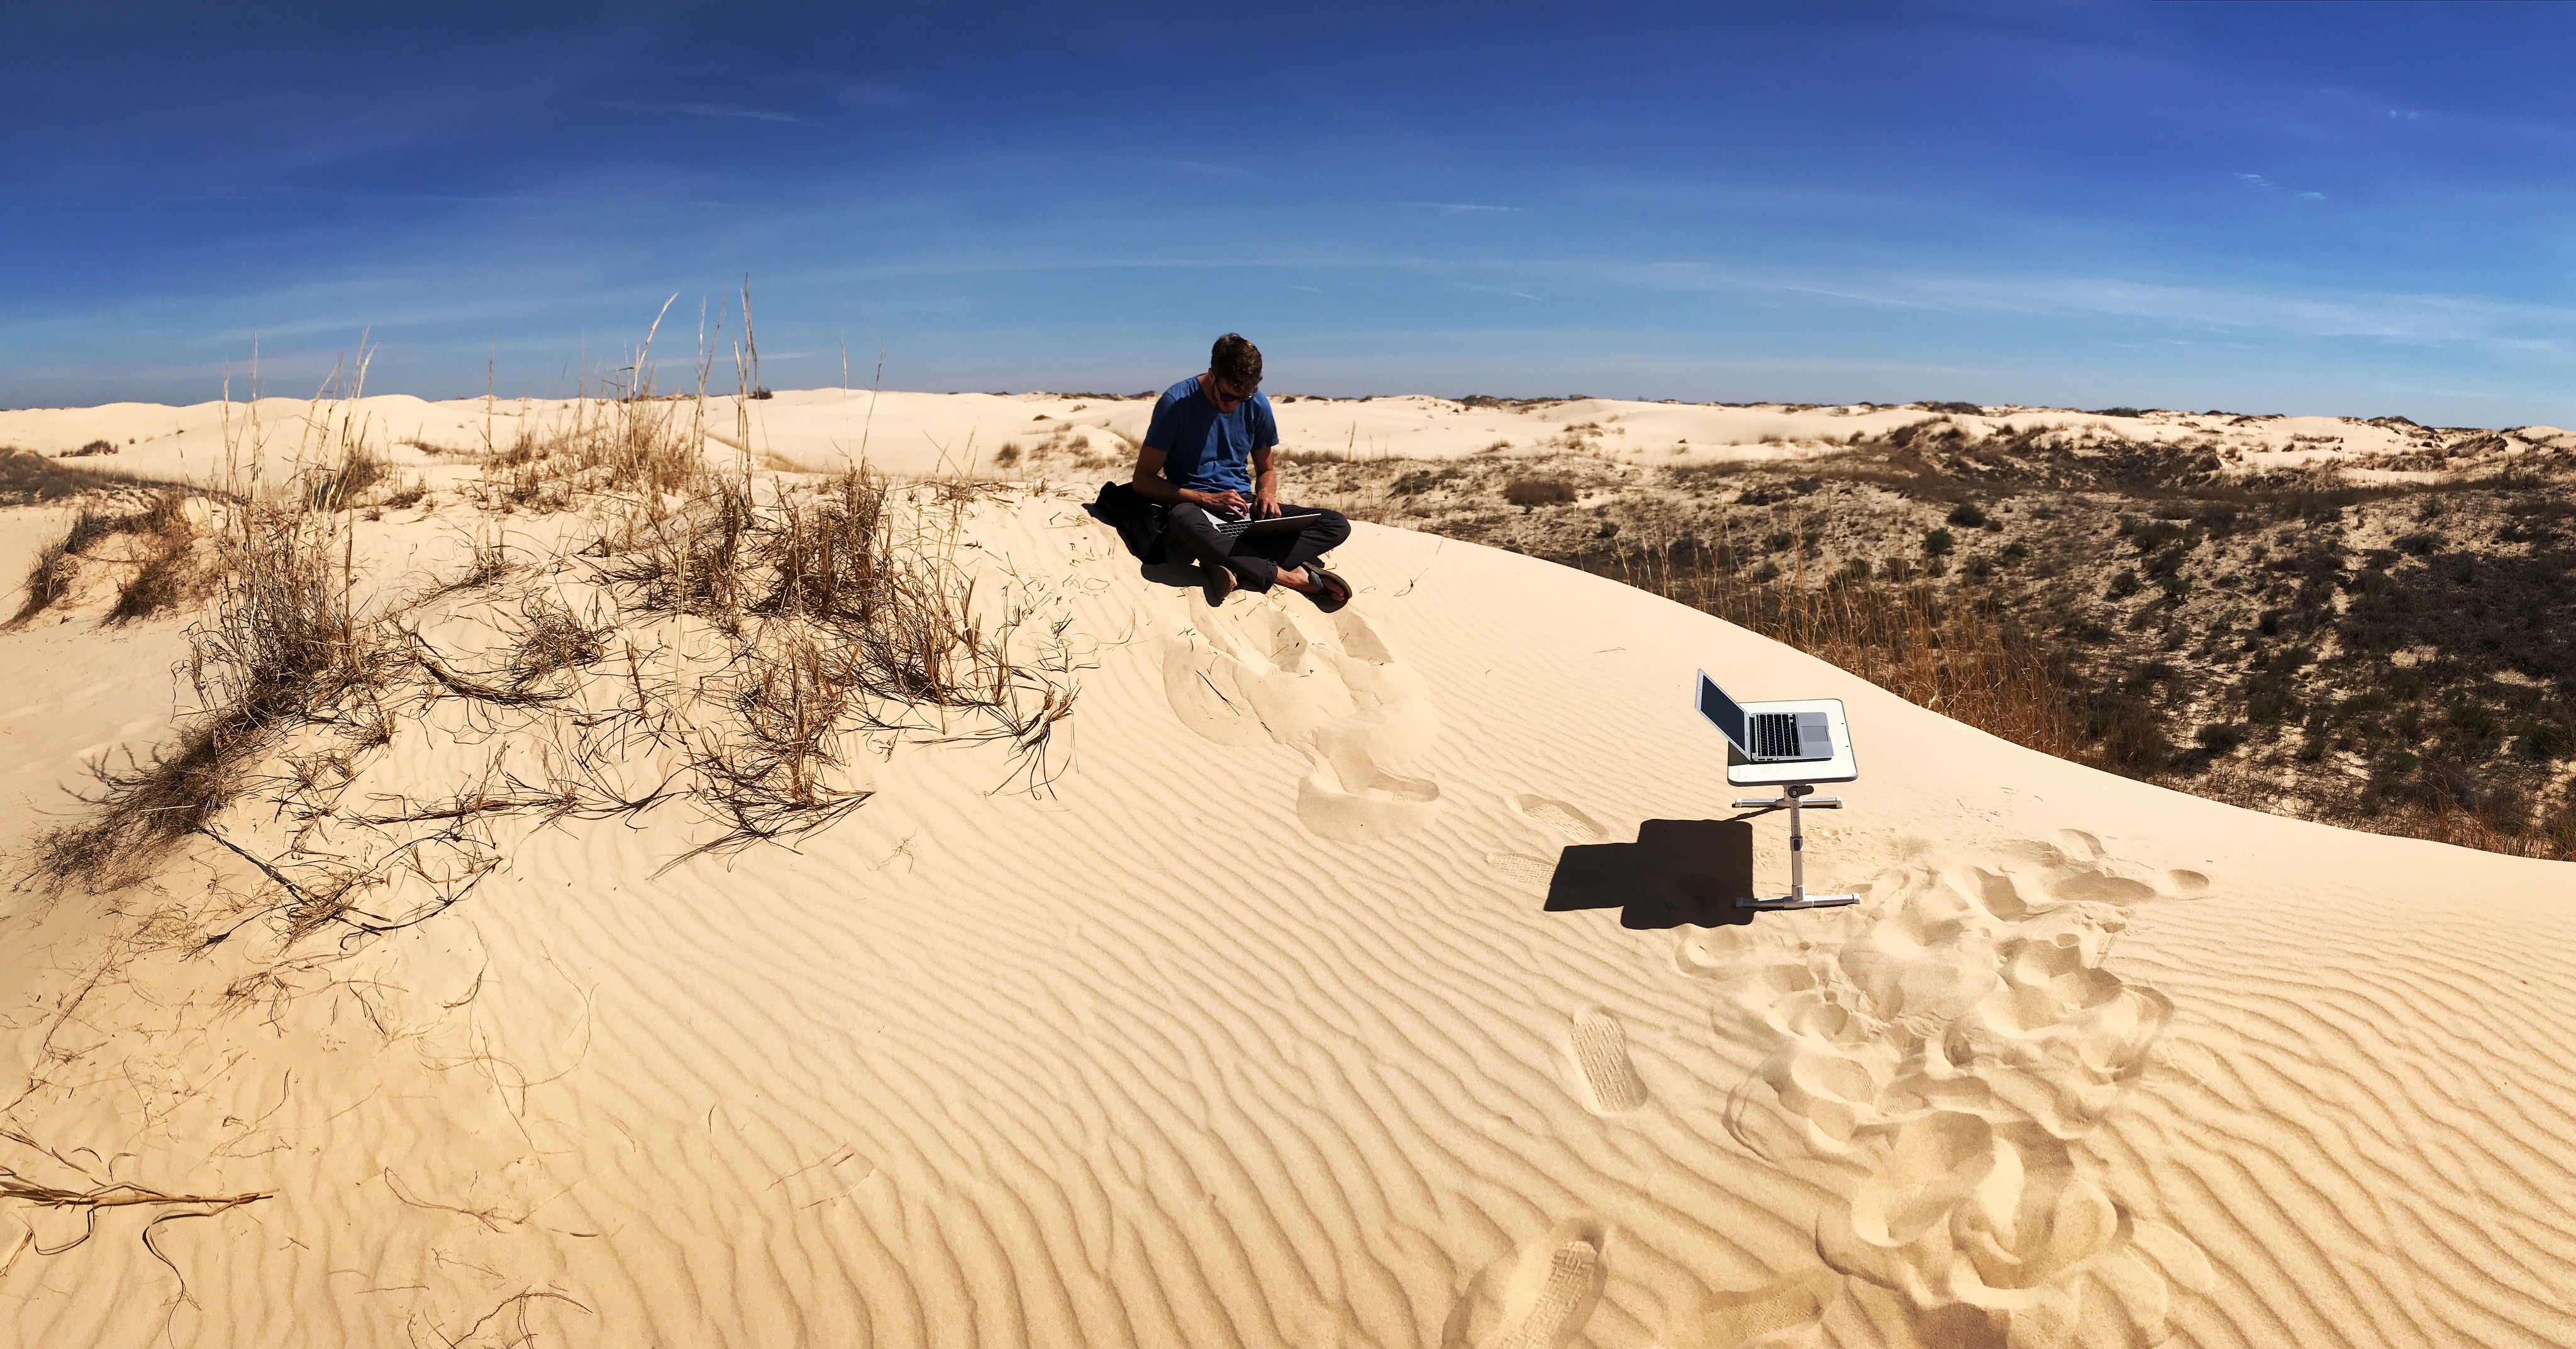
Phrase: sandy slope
(1255, 1031)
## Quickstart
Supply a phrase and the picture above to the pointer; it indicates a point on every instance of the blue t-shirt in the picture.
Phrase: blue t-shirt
(1204, 449)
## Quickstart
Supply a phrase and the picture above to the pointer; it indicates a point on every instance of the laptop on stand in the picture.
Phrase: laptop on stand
(1792, 745)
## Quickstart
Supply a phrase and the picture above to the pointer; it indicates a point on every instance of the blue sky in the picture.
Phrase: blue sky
(2358, 209)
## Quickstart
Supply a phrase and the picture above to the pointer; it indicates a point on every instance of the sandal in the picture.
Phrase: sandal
(1331, 592)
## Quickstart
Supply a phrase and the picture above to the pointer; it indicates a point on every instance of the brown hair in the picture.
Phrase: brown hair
(1236, 362)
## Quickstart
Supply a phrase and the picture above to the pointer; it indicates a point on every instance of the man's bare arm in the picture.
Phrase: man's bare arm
(1265, 483)
(1150, 484)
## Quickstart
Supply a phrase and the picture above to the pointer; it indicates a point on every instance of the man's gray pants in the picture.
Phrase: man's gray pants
(1190, 535)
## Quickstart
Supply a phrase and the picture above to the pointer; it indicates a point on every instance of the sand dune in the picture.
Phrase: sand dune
(922, 434)
(1255, 1029)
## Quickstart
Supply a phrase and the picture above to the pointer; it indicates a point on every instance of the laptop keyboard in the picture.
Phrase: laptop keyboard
(1775, 735)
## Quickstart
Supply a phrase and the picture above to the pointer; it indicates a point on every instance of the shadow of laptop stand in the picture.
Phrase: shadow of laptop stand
(1679, 873)
(1795, 796)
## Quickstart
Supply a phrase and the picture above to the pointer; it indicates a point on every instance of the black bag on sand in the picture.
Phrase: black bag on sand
(1139, 521)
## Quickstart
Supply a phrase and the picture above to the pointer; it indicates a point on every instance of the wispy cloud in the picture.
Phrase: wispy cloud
(260, 193)
(1463, 207)
(1475, 288)
(1311, 290)
(872, 94)
(717, 110)
(2388, 316)
(2262, 184)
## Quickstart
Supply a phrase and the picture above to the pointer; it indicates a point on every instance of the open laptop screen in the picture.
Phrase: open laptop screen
(1720, 709)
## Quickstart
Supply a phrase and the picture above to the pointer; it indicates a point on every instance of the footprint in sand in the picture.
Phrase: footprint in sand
(1786, 1314)
(1556, 817)
(1520, 866)
(1957, 1034)
(1536, 1298)
(1559, 817)
(1266, 672)
(1610, 1082)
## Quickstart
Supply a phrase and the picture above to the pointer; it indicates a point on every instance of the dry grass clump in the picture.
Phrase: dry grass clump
(286, 636)
(772, 782)
(1936, 647)
(49, 579)
(282, 646)
(1946, 650)
(636, 445)
(27, 477)
(144, 807)
(553, 639)
(94, 447)
(850, 614)
(359, 469)
(829, 559)
(166, 572)
(169, 572)
(688, 559)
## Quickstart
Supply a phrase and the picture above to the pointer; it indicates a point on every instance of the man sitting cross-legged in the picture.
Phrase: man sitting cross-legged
(1204, 434)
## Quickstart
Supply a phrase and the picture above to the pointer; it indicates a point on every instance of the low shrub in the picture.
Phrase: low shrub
(2130, 734)
(1531, 493)
(2151, 535)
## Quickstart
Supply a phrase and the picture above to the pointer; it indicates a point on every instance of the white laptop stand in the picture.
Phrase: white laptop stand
(1794, 796)
(1796, 779)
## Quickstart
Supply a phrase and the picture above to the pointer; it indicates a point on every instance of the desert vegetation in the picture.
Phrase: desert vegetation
(683, 634)
(148, 551)
(2389, 654)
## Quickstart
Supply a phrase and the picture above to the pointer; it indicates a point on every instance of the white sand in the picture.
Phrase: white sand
(928, 434)
(1256, 1032)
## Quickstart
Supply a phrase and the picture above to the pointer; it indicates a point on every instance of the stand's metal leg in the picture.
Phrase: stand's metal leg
(1797, 898)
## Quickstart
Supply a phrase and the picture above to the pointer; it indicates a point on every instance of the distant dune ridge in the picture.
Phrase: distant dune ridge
(1001, 1057)
(819, 430)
